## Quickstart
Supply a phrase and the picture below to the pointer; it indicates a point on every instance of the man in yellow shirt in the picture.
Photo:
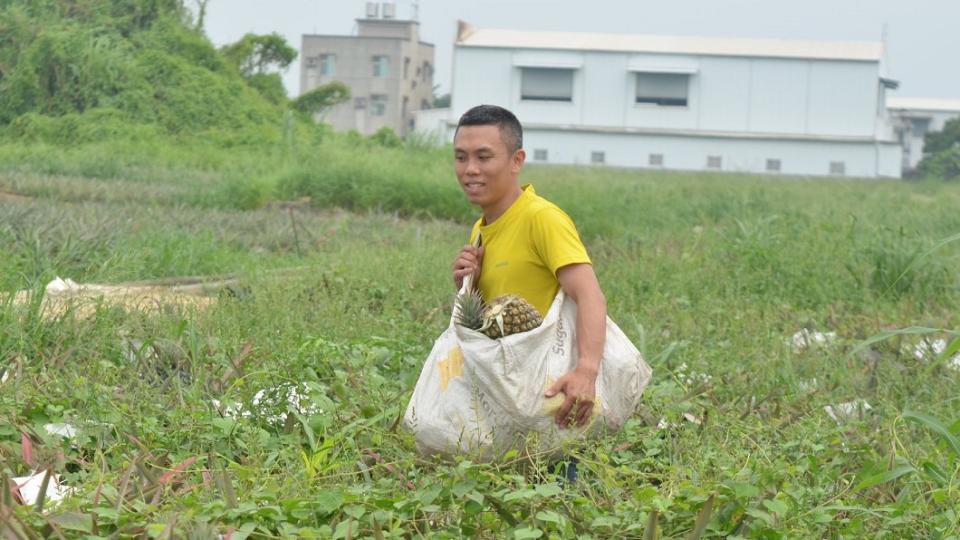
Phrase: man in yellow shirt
(529, 246)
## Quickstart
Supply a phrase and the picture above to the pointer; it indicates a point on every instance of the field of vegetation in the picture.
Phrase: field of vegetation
(803, 332)
(183, 426)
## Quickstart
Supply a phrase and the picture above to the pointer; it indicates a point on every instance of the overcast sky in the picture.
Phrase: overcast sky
(922, 35)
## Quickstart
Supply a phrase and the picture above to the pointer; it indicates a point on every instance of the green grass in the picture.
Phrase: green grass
(710, 275)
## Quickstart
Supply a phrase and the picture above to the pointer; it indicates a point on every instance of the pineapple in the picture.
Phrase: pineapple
(503, 316)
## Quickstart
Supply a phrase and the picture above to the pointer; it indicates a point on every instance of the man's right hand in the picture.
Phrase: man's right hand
(468, 262)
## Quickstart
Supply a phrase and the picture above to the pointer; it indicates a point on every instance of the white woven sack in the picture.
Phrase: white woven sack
(482, 396)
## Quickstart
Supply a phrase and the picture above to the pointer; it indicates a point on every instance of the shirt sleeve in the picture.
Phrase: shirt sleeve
(556, 240)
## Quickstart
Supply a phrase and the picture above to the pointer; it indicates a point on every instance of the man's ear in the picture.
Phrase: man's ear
(519, 157)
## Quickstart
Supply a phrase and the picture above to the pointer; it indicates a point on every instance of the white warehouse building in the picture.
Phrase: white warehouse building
(748, 105)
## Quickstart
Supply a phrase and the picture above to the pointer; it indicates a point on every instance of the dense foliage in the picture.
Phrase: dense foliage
(942, 152)
(96, 70)
(712, 276)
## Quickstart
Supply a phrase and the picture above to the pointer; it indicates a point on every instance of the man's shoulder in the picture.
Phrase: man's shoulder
(543, 209)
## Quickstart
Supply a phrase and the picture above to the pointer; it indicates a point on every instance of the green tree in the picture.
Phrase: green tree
(941, 151)
(321, 98)
(259, 54)
(938, 141)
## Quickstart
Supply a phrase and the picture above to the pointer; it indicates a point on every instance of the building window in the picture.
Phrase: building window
(360, 103)
(656, 160)
(663, 89)
(546, 84)
(598, 157)
(378, 105)
(381, 66)
(427, 71)
(328, 64)
(312, 62)
(540, 154)
(714, 162)
(838, 168)
(773, 165)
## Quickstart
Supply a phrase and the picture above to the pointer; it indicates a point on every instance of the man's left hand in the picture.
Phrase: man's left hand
(579, 386)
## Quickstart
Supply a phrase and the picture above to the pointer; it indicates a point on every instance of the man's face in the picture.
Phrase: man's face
(486, 168)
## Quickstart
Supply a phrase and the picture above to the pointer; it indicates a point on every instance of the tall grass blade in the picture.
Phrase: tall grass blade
(883, 336)
(884, 477)
(942, 242)
(44, 486)
(703, 518)
(651, 532)
(935, 425)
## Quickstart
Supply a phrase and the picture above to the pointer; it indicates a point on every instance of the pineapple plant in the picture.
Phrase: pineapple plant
(505, 315)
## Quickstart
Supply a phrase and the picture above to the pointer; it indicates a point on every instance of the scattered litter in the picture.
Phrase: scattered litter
(954, 363)
(4, 376)
(62, 430)
(27, 488)
(284, 396)
(930, 349)
(926, 349)
(663, 424)
(805, 339)
(808, 385)
(847, 411)
(692, 419)
(691, 378)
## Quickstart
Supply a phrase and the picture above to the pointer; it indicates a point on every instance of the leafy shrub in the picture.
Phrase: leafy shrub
(386, 137)
(943, 165)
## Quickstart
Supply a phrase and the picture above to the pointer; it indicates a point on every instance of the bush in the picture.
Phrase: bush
(944, 165)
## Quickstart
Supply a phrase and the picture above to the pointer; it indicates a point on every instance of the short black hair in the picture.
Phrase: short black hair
(492, 115)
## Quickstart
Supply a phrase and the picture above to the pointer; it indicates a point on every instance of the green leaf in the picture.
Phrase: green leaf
(884, 477)
(518, 495)
(329, 501)
(776, 506)
(73, 521)
(549, 516)
(527, 532)
(549, 490)
(935, 472)
(935, 425)
(745, 491)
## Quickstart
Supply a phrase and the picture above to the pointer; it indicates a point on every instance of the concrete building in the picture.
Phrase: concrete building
(388, 69)
(917, 116)
(751, 105)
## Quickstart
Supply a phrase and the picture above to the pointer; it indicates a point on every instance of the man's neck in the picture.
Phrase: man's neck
(493, 212)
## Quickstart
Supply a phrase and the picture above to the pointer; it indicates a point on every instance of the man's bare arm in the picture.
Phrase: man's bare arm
(579, 282)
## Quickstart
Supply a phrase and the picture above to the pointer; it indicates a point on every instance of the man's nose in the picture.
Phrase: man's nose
(472, 167)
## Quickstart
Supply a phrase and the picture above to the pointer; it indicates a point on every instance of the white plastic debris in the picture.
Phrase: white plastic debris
(808, 385)
(691, 378)
(929, 349)
(847, 411)
(63, 430)
(692, 419)
(293, 396)
(5, 376)
(27, 488)
(62, 285)
(805, 339)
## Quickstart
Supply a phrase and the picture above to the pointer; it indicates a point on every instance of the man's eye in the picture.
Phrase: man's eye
(484, 158)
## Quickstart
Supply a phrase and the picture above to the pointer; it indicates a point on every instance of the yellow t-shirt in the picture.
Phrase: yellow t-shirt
(524, 248)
